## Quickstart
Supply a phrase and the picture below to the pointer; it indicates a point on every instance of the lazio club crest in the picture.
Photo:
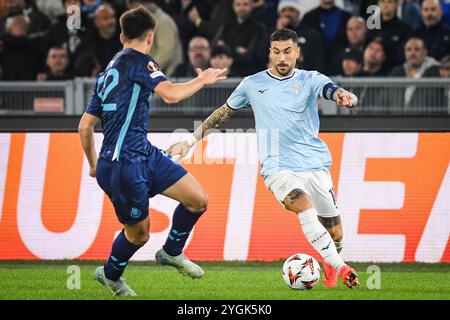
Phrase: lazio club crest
(295, 88)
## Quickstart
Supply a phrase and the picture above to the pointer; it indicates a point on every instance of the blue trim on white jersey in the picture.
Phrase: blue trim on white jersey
(124, 129)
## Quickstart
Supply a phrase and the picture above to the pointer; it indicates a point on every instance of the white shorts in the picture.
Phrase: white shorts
(317, 184)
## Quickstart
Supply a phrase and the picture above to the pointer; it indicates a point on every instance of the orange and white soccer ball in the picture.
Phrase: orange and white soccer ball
(301, 271)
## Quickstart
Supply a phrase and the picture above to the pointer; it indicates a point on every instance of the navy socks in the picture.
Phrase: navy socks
(182, 224)
(122, 251)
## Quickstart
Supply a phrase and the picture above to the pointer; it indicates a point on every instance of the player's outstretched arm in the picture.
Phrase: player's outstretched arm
(219, 117)
(345, 98)
(86, 131)
(176, 92)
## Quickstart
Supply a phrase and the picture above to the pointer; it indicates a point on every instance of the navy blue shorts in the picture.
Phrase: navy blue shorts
(130, 185)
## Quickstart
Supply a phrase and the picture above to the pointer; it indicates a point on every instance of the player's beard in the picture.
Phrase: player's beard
(284, 73)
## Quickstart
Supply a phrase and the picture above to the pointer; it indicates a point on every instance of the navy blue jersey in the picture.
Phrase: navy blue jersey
(121, 98)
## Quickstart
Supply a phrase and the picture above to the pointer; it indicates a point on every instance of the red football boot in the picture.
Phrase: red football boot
(349, 276)
(330, 278)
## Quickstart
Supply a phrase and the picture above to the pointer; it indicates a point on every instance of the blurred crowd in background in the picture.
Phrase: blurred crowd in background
(401, 39)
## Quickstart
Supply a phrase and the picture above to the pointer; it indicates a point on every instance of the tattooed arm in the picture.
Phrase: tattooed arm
(214, 121)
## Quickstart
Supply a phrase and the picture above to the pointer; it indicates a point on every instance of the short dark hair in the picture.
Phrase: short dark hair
(284, 35)
(352, 54)
(136, 23)
(58, 48)
(379, 41)
(221, 50)
(415, 38)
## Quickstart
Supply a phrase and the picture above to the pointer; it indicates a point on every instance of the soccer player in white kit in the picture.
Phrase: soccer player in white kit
(295, 162)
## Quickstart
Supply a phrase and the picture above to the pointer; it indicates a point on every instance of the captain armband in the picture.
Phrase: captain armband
(329, 90)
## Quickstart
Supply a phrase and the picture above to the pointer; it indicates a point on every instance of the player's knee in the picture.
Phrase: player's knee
(143, 239)
(199, 203)
(336, 232)
(297, 200)
(139, 238)
(337, 235)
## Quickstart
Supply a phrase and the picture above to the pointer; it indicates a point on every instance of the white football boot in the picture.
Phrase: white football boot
(180, 262)
(118, 288)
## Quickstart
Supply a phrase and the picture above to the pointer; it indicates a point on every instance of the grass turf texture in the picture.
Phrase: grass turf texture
(222, 281)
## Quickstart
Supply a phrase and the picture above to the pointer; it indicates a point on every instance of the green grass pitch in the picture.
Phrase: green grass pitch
(222, 281)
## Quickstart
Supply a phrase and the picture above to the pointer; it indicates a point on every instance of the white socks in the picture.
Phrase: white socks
(319, 238)
(339, 245)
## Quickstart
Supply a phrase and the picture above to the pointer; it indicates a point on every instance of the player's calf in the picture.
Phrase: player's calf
(339, 245)
(193, 203)
(334, 227)
(172, 252)
(183, 222)
(129, 240)
(314, 231)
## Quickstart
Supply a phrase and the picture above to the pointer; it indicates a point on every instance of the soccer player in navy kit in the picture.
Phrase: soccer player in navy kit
(129, 169)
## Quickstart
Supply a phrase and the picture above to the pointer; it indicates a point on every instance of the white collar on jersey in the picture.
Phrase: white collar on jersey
(280, 78)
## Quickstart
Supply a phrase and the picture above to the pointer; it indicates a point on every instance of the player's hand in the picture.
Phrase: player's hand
(211, 75)
(92, 172)
(93, 167)
(346, 99)
(179, 150)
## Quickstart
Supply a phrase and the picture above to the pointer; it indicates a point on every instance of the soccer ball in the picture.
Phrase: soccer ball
(301, 271)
